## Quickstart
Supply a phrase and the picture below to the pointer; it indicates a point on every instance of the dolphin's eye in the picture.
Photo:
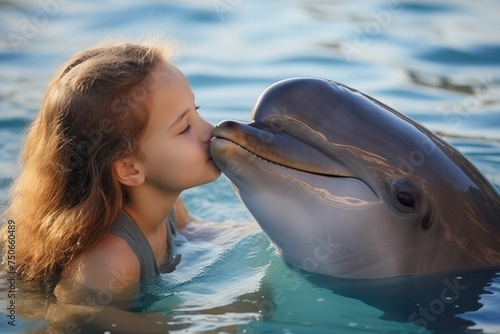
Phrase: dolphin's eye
(405, 199)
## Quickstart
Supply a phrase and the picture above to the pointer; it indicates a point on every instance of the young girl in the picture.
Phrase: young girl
(116, 141)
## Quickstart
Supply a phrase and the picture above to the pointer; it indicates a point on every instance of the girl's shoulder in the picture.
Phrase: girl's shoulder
(110, 264)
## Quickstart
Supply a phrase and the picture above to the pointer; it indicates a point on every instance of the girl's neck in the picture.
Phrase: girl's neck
(148, 210)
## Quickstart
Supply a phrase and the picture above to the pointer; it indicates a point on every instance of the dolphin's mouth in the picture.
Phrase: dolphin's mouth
(279, 148)
(219, 141)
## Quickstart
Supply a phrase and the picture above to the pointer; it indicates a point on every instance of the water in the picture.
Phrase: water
(437, 62)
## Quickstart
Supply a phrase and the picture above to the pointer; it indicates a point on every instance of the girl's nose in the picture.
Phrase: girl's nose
(207, 131)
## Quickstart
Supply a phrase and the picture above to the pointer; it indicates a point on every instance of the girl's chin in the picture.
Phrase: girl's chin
(213, 172)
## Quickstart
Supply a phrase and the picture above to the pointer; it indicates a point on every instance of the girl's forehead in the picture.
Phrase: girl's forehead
(172, 95)
(171, 78)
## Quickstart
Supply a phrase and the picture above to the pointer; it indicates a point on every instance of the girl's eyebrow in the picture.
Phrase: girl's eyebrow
(179, 119)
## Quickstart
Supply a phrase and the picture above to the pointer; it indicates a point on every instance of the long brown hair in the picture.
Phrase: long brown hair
(94, 112)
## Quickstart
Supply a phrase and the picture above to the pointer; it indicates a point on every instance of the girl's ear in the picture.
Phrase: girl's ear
(128, 172)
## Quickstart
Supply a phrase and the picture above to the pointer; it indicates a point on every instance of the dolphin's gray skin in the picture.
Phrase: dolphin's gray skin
(345, 186)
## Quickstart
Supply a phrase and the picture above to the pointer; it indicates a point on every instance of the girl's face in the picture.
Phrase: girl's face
(176, 147)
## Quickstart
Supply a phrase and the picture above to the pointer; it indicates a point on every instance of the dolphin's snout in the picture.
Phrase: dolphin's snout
(281, 148)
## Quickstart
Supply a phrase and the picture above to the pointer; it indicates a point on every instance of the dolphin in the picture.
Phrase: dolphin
(346, 186)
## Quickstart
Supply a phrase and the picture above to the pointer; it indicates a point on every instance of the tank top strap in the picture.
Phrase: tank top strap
(169, 261)
(127, 229)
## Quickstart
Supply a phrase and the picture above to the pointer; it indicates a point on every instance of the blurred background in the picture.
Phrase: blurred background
(435, 61)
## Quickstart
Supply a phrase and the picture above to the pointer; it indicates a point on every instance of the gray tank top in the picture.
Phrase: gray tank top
(127, 229)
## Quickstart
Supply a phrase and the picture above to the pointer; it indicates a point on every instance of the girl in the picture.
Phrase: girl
(116, 141)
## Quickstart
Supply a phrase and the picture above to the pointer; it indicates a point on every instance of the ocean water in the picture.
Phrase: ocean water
(435, 61)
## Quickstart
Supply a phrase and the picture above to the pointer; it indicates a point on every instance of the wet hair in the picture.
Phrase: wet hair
(66, 197)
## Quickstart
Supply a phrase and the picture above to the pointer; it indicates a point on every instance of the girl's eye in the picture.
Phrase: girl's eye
(196, 108)
(186, 129)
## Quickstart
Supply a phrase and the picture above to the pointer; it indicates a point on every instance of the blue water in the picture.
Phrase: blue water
(435, 61)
